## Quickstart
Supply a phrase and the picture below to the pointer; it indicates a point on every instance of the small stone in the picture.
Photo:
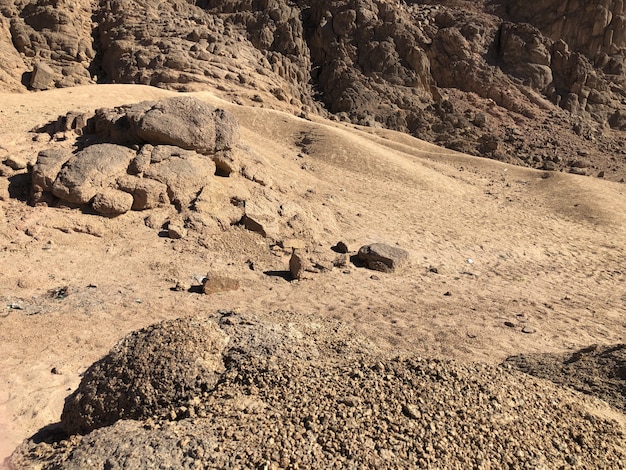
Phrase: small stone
(214, 283)
(411, 411)
(448, 294)
(381, 257)
(510, 324)
(528, 330)
(374, 277)
(176, 230)
(16, 163)
(341, 247)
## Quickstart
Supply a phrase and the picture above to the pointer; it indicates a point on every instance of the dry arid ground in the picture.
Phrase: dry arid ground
(504, 260)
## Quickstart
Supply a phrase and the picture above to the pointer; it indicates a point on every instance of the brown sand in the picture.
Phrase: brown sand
(539, 250)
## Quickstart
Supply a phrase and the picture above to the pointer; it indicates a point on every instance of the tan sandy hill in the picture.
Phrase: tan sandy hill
(502, 260)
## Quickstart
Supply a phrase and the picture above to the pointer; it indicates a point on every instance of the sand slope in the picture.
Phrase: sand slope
(536, 249)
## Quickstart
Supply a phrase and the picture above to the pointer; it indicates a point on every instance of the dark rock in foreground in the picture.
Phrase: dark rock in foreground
(594, 370)
(304, 392)
(381, 257)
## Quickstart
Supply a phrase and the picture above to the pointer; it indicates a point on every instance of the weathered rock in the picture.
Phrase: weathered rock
(16, 162)
(184, 174)
(43, 77)
(182, 121)
(341, 247)
(298, 264)
(46, 169)
(188, 123)
(214, 283)
(89, 170)
(223, 201)
(148, 373)
(262, 217)
(112, 202)
(146, 193)
(176, 230)
(381, 257)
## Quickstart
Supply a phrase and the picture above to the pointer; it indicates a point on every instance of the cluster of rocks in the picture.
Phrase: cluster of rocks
(240, 391)
(139, 157)
(376, 256)
(180, 154)
(528, 85)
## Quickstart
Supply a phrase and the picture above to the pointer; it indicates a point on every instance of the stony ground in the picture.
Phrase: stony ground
(502, 261)
(299, 391)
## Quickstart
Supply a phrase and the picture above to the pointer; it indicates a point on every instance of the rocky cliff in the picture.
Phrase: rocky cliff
(539, 84)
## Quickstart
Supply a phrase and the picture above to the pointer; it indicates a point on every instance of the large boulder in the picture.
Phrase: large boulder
(182, 121)
(381, 257)
(89, 170)
(148, 373)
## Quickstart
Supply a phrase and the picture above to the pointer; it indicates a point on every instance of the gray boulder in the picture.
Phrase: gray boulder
(89, 170)
(381, 257)
(182, 121)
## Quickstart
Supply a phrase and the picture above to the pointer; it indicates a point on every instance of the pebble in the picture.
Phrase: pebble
(529, 330)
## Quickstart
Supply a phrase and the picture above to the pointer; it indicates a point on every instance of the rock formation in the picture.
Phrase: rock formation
(533, 85)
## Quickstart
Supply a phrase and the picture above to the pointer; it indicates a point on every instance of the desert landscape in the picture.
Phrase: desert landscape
(265, 235)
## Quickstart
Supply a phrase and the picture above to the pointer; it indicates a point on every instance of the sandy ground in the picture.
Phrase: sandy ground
(541, 251)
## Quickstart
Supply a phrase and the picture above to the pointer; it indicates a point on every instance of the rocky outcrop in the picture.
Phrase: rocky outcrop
(530, 85)
(114, 178)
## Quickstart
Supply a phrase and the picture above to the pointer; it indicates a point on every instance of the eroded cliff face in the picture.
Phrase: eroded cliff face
(537, 84)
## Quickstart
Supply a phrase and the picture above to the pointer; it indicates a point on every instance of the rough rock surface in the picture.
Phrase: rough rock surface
(316, 396)
(381, 257)
(148, 373)
(183, 121)
(594, 370)
(176, 138)
(89, 170)
(534, 85)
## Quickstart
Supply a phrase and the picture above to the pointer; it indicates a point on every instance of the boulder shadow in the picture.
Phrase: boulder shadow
(286, 275)
(19, 187)
(50, 434)
(357, 262)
